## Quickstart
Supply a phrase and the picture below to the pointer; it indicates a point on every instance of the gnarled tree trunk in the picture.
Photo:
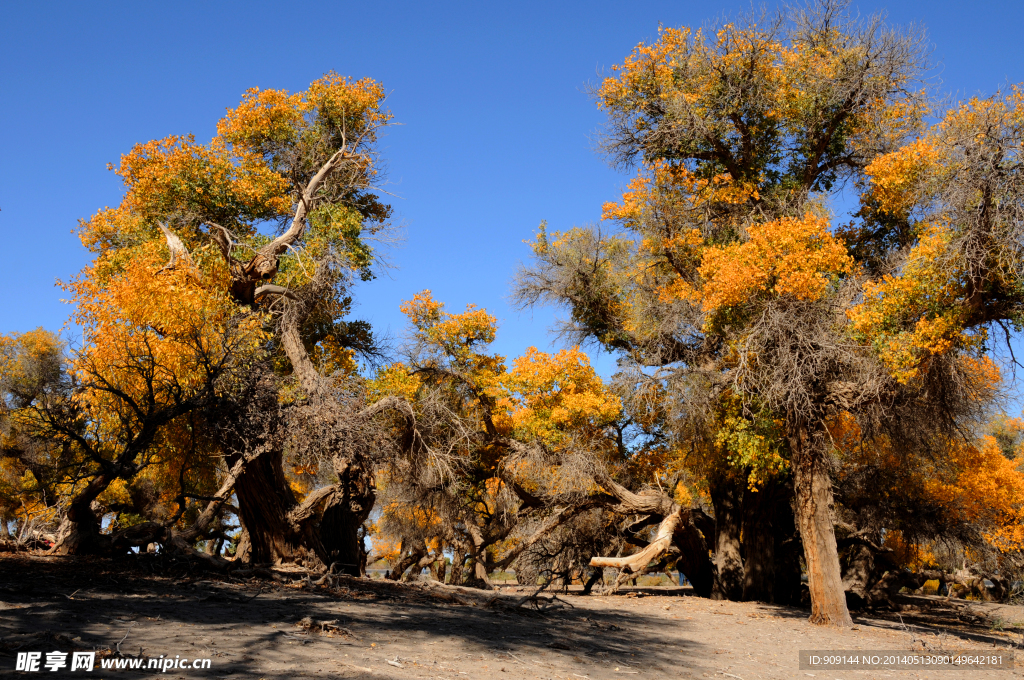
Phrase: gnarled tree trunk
(678, 531)
(759, 508)
(344, 514)
(637, 561)
(694, 560)
(459, 559)
(410, 554)
(79, 530)
(814, 517)
(788, 588)
(440, 567)
(265, 501)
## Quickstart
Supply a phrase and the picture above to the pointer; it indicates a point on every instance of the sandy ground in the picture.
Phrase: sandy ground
(251, 628)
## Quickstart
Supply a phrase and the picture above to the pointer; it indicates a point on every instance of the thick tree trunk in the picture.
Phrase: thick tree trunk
(591, 581)
(264, 501)
(788, 587)
(478, 577)
(771, 558)
(411, 552)
(426, 561)
(79, 534)
(344, 514)
(636, 562)
(459, 559)
(759, 509)
(339, 533)
(859, 573)
(440, 567)
(694, 560)
(685, 531)
(814, 517)
(79, 531)
(727, 500)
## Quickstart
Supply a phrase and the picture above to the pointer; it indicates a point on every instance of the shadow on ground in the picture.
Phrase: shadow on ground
(148, 606)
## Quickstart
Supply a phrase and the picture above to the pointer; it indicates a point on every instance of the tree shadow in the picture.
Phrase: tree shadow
(250, 628)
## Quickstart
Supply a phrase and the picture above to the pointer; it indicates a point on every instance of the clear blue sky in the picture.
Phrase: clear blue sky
(497, 131)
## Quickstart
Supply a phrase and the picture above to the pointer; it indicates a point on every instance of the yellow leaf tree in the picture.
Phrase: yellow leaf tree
(728, 279)
(218, 298)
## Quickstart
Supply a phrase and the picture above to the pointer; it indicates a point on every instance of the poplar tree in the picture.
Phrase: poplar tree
(728, 282)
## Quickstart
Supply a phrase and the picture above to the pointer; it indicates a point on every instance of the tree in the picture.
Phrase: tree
(727, 279)
(229, 262)
(518, 465)
(160, 349)
(32, 369)
(464, 492)
(949, 511)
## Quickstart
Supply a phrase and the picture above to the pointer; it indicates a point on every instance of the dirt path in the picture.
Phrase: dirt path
(251, 629)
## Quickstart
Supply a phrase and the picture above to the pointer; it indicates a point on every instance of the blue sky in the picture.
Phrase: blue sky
(497, 132)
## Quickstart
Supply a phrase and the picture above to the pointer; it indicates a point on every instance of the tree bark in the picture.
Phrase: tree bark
(410, 554)
(859, 573)
(478, 578)
(440, 567)
(788, 587)
(591, 581)
(459, 559)
(79, 530)
(814, 517)
(694, 560)
(637, 561)
(727, 500)
(688, 535)
(771, 563)
(264, 502)
(759, 507)
(344, 514)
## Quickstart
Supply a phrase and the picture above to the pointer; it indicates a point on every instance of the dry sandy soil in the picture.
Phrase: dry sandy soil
(252, 628)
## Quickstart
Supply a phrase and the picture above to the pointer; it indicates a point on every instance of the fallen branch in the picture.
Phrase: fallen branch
(635, 563)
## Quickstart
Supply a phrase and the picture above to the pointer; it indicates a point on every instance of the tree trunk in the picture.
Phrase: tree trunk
(478, 577)
(344, 514)
(459, 559)
(859, 574)
(788, 588)
(410, 554)
(759, 509)
(440, 567)
(264, 501)
(727, 500)
(771, 560)
(78, 534)
(636, 562)
(694, 560)
(591, 581)
(814, 517)
(79, 531)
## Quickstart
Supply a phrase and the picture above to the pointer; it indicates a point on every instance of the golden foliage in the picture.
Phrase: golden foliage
(550, 397)
(790, 257)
